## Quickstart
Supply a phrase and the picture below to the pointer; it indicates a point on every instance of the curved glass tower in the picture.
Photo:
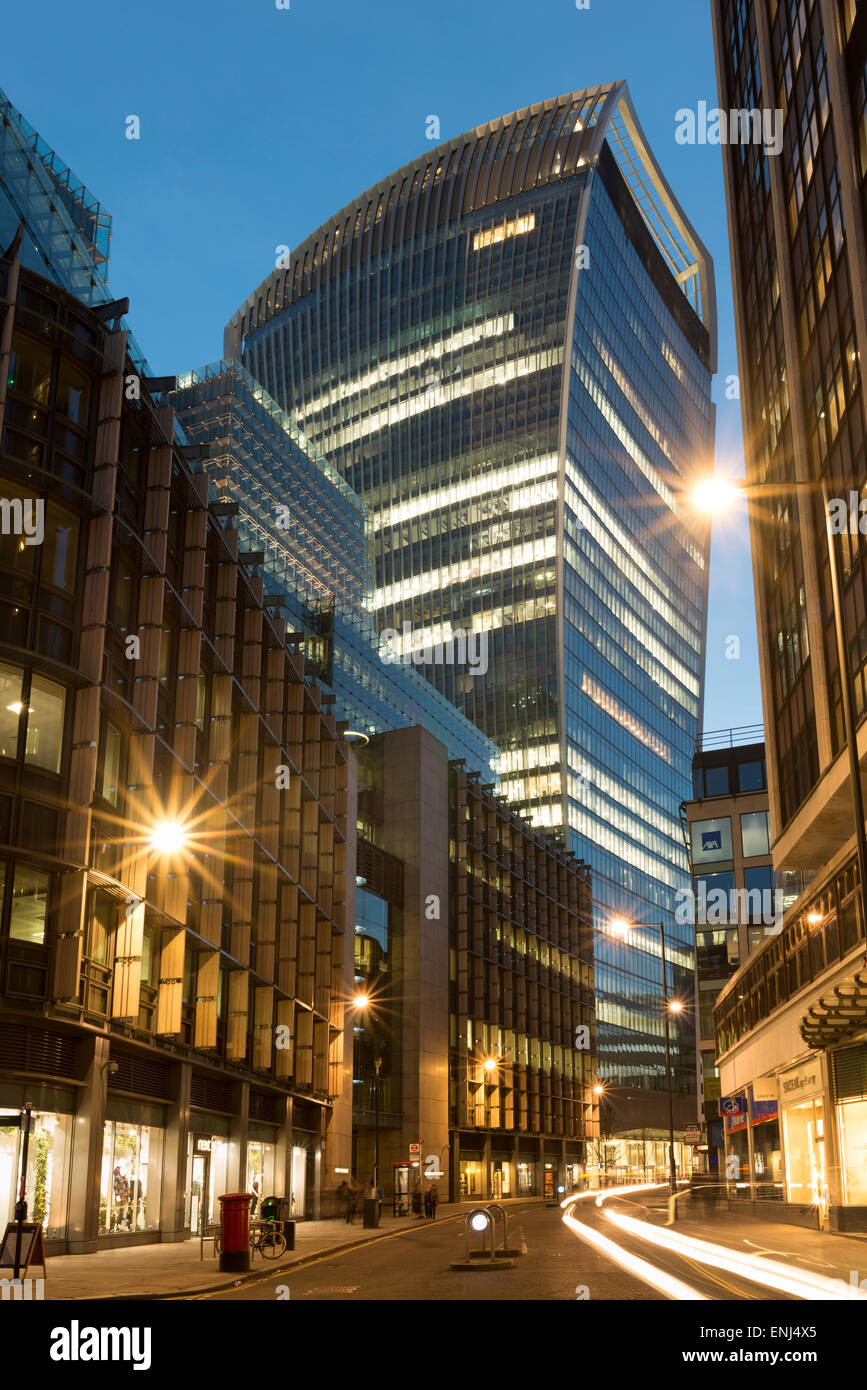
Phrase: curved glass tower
(506, 348)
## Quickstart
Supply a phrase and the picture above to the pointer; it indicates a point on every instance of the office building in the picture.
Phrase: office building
(506, 348)
(177, 817)
(288, 503)
(474, 949)
(737, 902)
(793, 1020)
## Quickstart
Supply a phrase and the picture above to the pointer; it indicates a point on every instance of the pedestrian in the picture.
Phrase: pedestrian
(427, 1203)
(255, 1202)
(344, 1196)
(434, 1201)
(380, 1198)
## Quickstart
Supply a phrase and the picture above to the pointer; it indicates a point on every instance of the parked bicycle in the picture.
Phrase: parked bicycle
(266, 1238)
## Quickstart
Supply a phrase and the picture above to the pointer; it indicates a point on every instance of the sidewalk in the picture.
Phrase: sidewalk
(175, 1270)
(160, 1271)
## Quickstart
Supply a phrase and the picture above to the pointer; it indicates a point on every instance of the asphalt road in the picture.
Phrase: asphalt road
(413, 1265)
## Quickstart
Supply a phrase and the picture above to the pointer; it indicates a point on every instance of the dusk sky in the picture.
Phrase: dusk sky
(257, 123)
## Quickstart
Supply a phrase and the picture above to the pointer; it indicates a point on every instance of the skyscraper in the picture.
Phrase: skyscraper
(797, 241)
(506, 347)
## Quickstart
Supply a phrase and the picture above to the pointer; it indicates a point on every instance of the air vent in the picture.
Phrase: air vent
(210, 1093)
(266, 1107)
(37, 1052)
(850, 1073)
(139, 1076)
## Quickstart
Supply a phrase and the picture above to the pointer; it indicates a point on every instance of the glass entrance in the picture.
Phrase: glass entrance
(199, 1193)
(806, 1168)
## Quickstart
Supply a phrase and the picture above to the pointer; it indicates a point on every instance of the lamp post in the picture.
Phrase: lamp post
(621, 928)
(715, 495)
(362, 1003)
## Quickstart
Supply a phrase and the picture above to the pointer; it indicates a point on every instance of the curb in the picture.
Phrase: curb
(252, 1275)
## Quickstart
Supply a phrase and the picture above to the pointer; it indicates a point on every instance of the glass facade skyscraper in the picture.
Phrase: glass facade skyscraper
(290, 506)
(506, 348)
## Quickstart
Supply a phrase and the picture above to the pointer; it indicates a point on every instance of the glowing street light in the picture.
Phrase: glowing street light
(361, 1001)
(675, 1006)
(490, 1064)
(167, 837)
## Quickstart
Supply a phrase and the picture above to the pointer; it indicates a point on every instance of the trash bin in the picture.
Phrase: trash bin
(275, 1209)
(235, 1231)
(371, 1214)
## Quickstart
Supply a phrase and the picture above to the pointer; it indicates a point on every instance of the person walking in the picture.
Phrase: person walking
(344, 1196)
(434, 1201)
(427, 1204)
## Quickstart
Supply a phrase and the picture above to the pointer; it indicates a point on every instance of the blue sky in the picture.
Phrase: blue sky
(257, 123)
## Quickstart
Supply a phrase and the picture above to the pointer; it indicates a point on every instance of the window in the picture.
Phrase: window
(73, 392)
(755, 834)
(30, 369)
(44, 747)
(29, 906)
(751, 777)
(60, 552)
(711, 840)
(111, 763)
(10, 710)
(714, 898)
(760, 896)
(716, 781)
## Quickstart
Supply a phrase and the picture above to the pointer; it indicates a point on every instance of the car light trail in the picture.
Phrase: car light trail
(769, 1273)
(633, 1264)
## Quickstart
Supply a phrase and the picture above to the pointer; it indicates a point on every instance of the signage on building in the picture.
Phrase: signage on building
(692, 1134)
(766, 1088)
(733, 1105)
(203, 1146)
(801, 1083)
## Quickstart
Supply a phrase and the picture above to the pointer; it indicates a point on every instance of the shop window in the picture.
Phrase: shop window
(29, 905)
(130, 1186)
(45, 717)
(754, 834)
(48, 1156)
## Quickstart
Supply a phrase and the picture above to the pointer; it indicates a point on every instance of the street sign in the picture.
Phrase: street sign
(692, 1134)
(415, 1148)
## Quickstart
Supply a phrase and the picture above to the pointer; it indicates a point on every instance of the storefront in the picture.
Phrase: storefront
(502, 1177)
(802, 1103)
(131, 1173)
(207, 1163)
(850, 1098)
(261, 1168)
(48, 1161)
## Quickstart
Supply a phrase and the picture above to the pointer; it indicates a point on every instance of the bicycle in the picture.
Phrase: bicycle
(266, 1237)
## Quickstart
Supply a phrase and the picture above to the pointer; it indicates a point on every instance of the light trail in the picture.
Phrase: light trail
(769, 1273)
(633, 1264)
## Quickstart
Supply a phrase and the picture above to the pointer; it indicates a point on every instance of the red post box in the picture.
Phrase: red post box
(235, 1231)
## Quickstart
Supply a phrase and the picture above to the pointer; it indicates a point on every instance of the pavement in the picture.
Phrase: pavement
(176, 1269)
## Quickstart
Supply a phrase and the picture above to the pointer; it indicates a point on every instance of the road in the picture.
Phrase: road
(623, 1250)
(413, 1265)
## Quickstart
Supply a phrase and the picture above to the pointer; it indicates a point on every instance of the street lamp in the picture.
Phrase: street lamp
(167, 837)
(362, 1003)
(620, 927)
(713, 494)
